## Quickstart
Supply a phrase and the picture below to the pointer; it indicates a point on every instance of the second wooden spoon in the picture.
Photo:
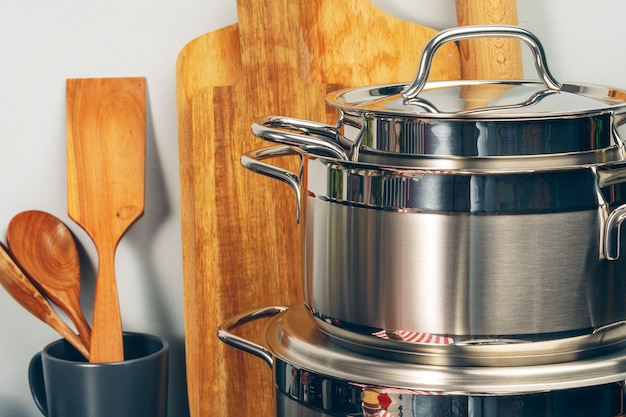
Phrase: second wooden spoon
(46, 250)
(14, 281)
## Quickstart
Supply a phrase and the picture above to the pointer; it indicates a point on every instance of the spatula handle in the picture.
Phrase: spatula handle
(106, 330)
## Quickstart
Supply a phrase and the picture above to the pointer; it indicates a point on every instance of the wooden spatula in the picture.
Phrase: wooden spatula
(106, 148)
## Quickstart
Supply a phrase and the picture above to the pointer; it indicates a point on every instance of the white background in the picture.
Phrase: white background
(44, 42)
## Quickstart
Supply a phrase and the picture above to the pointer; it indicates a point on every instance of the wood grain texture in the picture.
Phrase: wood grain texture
(45, 249)
(241, 245)
(373, 48)
(489, 58)
(16, 283)
(106, 150)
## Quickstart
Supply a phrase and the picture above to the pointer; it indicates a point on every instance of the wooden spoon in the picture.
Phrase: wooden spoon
(45, 249)
(15, 282)
(106, 148)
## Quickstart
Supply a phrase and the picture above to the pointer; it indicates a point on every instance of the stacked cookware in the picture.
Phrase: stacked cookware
(461, 249)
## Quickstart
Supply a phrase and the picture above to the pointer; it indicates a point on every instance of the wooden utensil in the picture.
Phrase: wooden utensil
(45, 249)
(488, 58)
(241, 246)
(106, 148)
(15, 282)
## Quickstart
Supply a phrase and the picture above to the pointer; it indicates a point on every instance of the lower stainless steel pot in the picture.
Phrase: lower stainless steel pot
(320, 396)
(528, 251)
(600, 401)
(316, 378)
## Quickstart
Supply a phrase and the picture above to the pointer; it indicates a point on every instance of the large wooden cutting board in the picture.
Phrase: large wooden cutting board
(241, 245)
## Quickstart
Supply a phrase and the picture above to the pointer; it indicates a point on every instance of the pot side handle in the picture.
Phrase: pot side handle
(252, 160)
(309, 136)
(224, 334)
(610, 241)
(612, 232)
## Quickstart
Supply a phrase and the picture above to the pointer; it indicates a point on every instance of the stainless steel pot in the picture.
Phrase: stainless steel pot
(522, 254)
(315, 378)
(495, 244)
(390, 124)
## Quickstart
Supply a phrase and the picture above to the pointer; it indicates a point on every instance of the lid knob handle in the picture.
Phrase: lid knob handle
(480, 31)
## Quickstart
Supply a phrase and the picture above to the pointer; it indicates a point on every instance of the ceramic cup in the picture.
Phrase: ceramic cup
(64, 384)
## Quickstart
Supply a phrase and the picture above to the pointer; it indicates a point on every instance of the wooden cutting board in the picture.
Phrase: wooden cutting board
(241, 245)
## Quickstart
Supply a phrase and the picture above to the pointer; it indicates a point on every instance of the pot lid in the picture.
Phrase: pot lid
(295, 338)
(485, 100)
(470, 124)
(546, 98)
(482, 118)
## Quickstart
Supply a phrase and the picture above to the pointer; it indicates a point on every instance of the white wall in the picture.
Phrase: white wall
(42, 43)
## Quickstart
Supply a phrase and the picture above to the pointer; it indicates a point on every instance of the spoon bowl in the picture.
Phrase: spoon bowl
(46, 250)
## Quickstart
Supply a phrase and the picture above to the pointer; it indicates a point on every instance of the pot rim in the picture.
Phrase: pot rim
(454, 351)
(319, 140)
(385, 100)
(378, 161)
(294, 337)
